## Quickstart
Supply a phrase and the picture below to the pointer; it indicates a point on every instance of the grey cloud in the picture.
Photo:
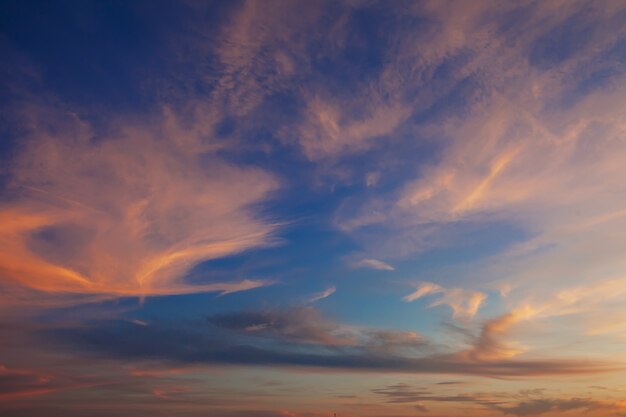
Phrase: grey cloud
(394, 341)
(305, 348)
(508, 404)
(305, 324)
(300, 324)
(536, 407)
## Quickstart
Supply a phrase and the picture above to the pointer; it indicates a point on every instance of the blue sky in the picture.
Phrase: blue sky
(300, 208)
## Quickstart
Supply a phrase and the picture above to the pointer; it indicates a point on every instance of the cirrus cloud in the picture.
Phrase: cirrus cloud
(127, 214)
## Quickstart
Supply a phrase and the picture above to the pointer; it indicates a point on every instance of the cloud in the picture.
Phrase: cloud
(327, 132)
(401, 393)
(511, 146)
(464, 303)
(532, 403)
(128, 214)
(298, 324)
(395, 341)
(521, 154)
(442, 123)
(488, 345)
(373, 264)
(587, 303)
(537, 407)
(17, 383)
(298, 338)
(22, 383)
(311, 58)
(307, 325)
(582, 301)
(324, 294)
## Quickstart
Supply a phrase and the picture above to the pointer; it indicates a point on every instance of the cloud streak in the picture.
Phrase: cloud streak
(464, 303)
(373, 264)
(324, 294)
(525, 403)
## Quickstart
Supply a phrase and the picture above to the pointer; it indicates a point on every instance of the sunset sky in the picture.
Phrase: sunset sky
(301, 208)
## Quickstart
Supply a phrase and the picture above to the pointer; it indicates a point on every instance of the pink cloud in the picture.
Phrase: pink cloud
(128, 214)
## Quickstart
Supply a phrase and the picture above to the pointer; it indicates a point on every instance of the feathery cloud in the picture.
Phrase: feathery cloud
(373, 264)
(324, 294)
(125, 215)
(464, 303)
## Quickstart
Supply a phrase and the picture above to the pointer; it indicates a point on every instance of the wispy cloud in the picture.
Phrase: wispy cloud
(424, 127)
(464, 303)
(324, 294)
(18, 383)
(298, 324)
(128, 214)
(528, 137)
(514, 150)
(373, 264)
(327, 132)
(488, 345)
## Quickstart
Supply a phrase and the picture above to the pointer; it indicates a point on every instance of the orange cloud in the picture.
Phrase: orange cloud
(128, 214)
(488, 346)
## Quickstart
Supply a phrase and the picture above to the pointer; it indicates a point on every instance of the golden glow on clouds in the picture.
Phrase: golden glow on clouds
(127, 215)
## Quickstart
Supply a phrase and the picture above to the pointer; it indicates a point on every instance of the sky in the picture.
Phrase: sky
(302, 208)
